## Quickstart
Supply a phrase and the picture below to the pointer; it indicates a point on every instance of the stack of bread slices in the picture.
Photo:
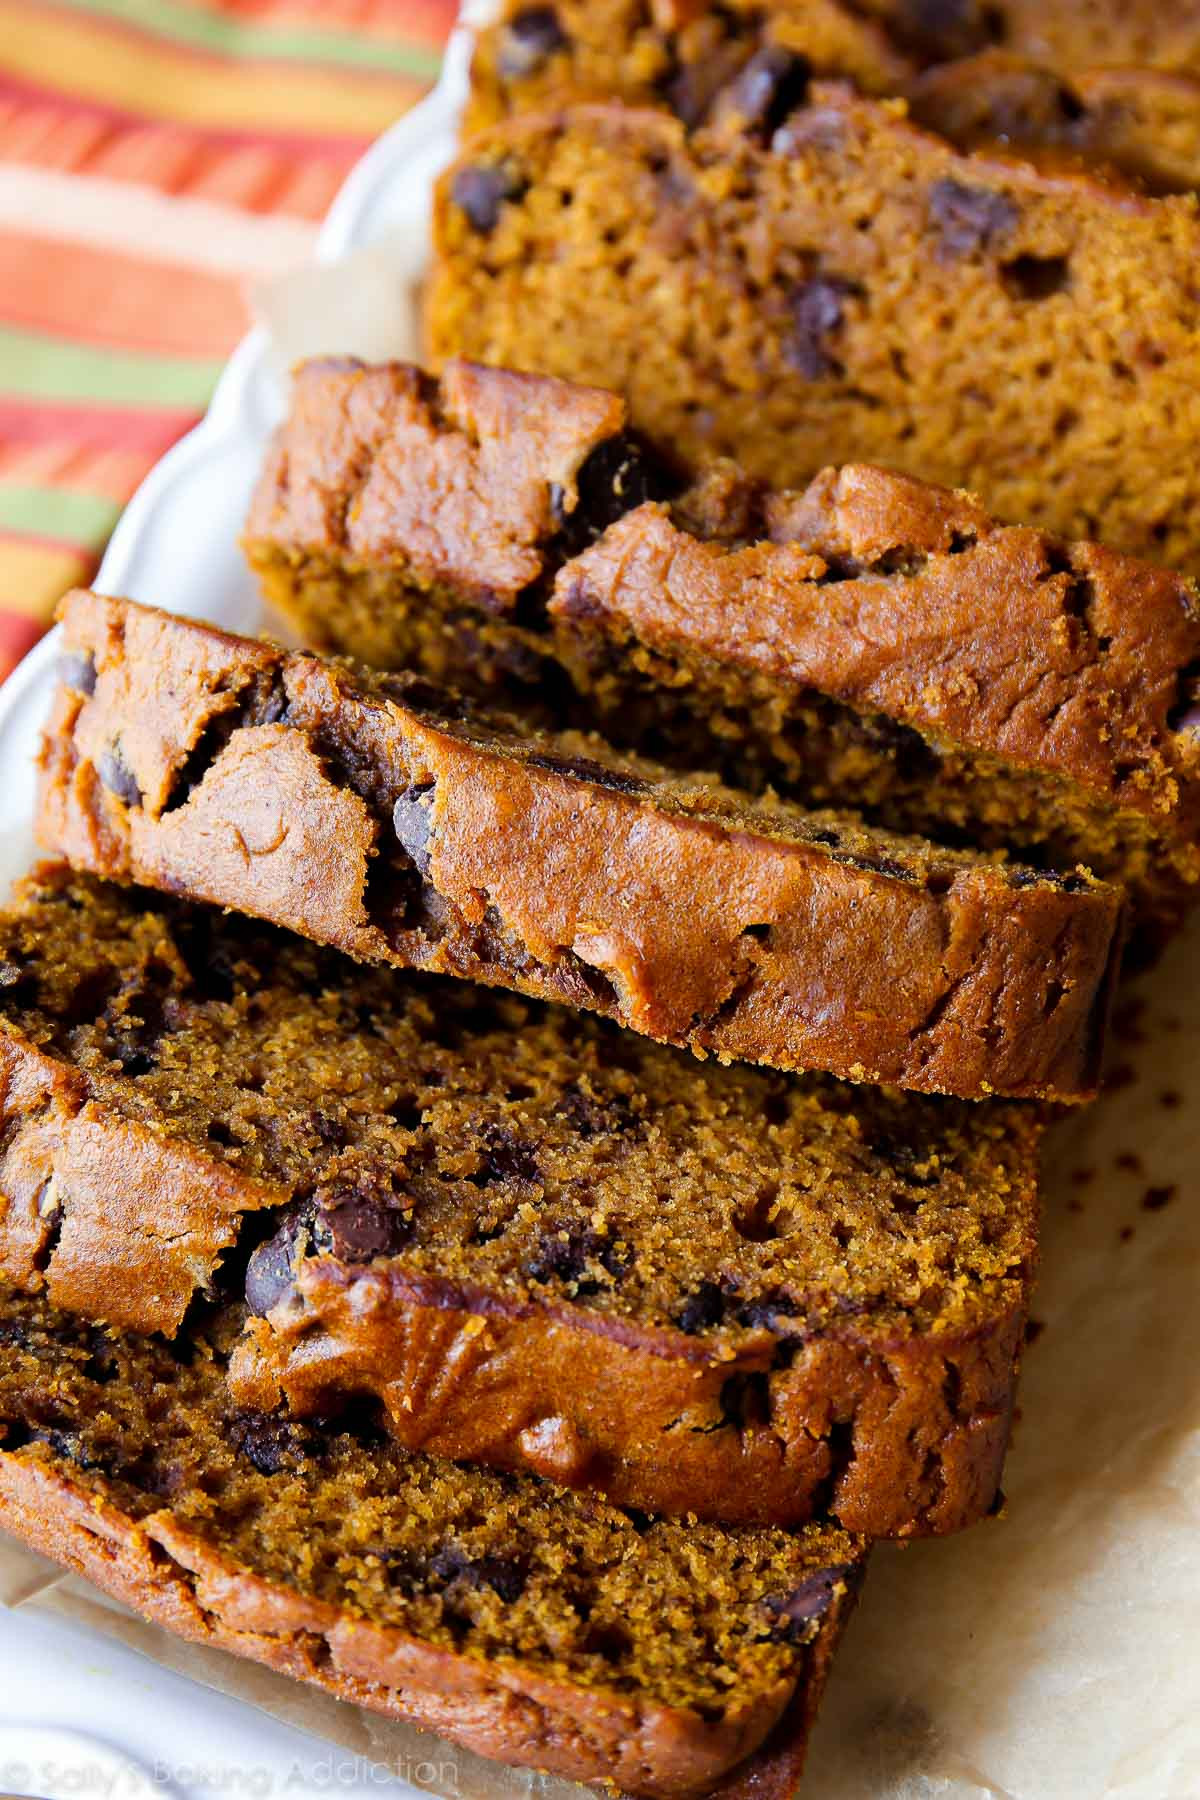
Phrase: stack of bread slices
(521, 1118)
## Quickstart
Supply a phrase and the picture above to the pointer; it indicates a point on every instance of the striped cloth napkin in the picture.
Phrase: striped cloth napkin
(155, 155)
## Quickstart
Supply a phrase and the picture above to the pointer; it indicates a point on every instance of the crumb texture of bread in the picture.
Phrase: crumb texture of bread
(847, 287)
(381, 817)
(536, 1241)
(533, 1625)
(869, 636)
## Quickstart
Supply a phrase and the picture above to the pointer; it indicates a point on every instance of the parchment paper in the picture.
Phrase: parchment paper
(1053, 1654)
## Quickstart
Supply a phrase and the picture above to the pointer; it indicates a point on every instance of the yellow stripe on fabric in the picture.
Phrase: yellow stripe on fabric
(33, 577)
(119, 70)
(227, 35)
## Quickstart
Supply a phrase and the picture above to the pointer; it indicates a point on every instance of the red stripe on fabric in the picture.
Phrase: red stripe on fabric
(18, 635)
(149, 433)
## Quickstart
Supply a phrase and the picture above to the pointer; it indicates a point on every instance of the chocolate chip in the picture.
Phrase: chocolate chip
(528, 40)
(116, 775)
(357, 1227)
(481, 192)
(589, 1117)
(817, 313)
(271, 1271)
(568, 1254)
(582, 768)
(505, 1157)
(794, 1613)
(773, 1310)
(410, 821)
(968, 219)
(702, 1308)
(77, 669)
(902, 1158)
(505, 1575)
(772, 84)
(71, 1446)
(615, 477)
(269, 1442)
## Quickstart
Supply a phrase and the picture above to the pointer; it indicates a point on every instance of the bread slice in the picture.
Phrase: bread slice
(1137, 113)
(372, 814)
(841, 285)
(871, 638)
(537, 1241)
(1144, 123)
(530, 1624)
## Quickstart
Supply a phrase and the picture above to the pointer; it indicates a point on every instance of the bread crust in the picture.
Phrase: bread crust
(507, 1712)
(1044, 680)
(684, 916)
(895, 1435)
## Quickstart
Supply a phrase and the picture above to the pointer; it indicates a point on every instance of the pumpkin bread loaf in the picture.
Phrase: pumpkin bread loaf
(537, 1241)
(870, 638)
(378, 815)
(530, 1624)
(836, 284)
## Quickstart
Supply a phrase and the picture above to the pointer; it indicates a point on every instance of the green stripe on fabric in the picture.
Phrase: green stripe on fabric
(33, 367)
(63, 514)
(228, 36)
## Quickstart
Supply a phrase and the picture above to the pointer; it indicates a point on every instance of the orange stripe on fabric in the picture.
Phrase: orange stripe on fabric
(122, 68)
(259, 177)
(98, 297)
(33, 575)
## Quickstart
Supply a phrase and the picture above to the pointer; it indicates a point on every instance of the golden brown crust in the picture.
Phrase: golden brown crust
(471, 472)
(507, 1712)
(894, 1436)
(727, 931)
(773, 635)
(993, 637)
(171, 1210)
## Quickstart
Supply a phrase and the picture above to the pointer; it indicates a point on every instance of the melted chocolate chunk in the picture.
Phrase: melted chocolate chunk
(356, 1227)
(818, 314)
(506, 1157)
(968, 220)
(772, 84)
(615, 477)
(568, 1255)
(481, 192)
(410, 821)
(271, 1271)
(505, 1575)
(702, 1309)
(528, 40)
(269, 1442)
(794, 1613)
(589, 1117)
(77, 669)
(116, 775)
